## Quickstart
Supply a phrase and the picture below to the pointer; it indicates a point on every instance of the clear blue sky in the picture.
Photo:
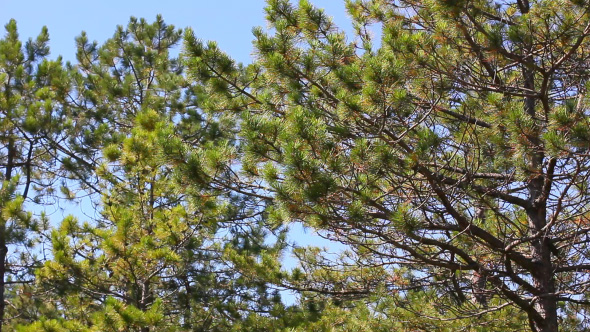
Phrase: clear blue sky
(229, 22)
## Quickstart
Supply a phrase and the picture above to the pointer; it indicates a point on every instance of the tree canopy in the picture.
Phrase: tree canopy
(443, 145)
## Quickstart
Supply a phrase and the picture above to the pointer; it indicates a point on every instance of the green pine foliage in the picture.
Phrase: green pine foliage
(169, 249)
(449, 155)
(443, 145)
(32, 91)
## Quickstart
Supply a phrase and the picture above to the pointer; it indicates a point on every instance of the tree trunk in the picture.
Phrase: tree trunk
(11, 153)
(543, 278)
(542, 274)
(3, 252)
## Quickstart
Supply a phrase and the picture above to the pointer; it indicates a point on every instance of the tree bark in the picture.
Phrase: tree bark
(3, 248)
(543, 274)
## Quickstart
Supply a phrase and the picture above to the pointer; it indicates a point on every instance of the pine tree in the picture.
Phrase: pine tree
(31, 89)
(124, 271)
(454, 150)
(169, 249)
(112, 83)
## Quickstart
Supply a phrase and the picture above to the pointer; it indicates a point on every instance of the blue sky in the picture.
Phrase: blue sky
(229, 22)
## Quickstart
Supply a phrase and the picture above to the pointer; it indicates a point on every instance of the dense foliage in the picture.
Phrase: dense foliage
(447, 159)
